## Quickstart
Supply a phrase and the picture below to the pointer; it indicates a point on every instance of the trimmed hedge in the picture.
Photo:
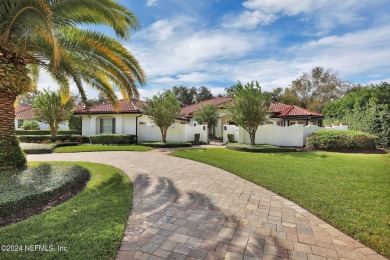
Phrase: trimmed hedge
(53, 139)
(42, 148)
(340, 140)
(36, 185)
(31, 148)
(166, 145)
(260, 148)
(112, 139)
(47, 132)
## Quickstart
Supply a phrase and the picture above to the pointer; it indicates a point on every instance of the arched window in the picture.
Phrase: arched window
(106, 125)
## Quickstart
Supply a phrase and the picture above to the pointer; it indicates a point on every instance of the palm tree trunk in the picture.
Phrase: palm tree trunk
(11, 155)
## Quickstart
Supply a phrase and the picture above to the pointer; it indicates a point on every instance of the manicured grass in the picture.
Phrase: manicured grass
(259, 148)
(349, 191)
(90, 225)
(99, 148)
(37, 184)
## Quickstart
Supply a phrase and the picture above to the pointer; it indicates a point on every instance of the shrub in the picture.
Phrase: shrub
(37, 185)
(197, 138)
(112, 139)
(37, 148)
(53, 139)
(31, 125)
(230, 138)
(340, 140)
(47, 132)
(166, 145)
(12, 156)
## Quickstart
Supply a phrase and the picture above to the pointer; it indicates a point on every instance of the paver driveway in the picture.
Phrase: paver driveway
(188, 210)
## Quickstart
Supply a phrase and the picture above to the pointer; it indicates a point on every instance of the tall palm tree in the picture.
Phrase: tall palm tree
(51, 34)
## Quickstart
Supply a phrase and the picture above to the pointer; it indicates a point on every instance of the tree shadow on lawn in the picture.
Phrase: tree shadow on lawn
(188, 224)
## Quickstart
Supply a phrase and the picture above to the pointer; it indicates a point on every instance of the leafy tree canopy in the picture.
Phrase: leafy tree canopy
(249, 107)
(314, 90)
(208, 113)
(49, 108)
(190, 95)
(365, 109)
(163, 109)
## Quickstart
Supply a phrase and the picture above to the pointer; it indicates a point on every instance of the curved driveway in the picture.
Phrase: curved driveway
(184, 209)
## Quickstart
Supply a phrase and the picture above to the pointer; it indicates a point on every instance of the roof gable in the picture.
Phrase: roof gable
(126, 106)
(24, 112)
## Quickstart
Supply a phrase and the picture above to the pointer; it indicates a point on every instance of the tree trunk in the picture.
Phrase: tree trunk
(53, 129)
(11, 155)
(164, 135)
(252, 136)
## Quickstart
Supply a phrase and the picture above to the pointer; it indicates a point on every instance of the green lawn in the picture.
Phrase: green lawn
(90, 225)
(349, 191)
(99, 148)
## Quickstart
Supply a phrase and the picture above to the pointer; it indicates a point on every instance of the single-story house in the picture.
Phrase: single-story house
(104, 119)
(279, 113)
(25, 114)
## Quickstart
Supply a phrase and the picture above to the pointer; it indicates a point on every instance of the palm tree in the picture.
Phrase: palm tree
(51, 35)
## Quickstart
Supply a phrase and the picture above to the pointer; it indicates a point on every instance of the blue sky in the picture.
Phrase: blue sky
(215, 43)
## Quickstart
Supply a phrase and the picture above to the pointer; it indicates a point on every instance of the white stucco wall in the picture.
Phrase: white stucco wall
(147, 131)
(294, 135)
(43, 126)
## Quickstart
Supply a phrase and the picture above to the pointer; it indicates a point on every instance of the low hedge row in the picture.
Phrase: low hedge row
(260, 148)
(340, 140)
(53, 139)
(112, 139)
(166, 145)
(47, 132)
(36, 185)
(39, 148)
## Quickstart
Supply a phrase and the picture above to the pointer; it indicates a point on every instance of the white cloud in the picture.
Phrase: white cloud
(249, 19)
(326, 15)
(150, 3)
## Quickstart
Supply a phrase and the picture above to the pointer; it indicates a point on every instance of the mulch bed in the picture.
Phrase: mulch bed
(29, 212)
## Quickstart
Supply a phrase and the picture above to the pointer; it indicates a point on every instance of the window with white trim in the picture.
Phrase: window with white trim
(107, 126)
(20, 123)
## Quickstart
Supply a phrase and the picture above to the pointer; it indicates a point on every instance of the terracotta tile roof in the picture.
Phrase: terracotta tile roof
(187, 111)
(292, 111)
(277, 108)
(132, 106)
(24, 112)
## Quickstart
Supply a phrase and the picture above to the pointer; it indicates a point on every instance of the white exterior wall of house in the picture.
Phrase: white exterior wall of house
(294, 135)
(222, 120)
(147, 131)
(42, 126)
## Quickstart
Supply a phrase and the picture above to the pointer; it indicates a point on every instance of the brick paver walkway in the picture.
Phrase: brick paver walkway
(188, 210)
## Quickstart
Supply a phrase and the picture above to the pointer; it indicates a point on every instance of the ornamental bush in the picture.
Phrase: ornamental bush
(31, 125)
(339, 140)
(230, 138)
(12, 156)
(112, 139)
(38, 184)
